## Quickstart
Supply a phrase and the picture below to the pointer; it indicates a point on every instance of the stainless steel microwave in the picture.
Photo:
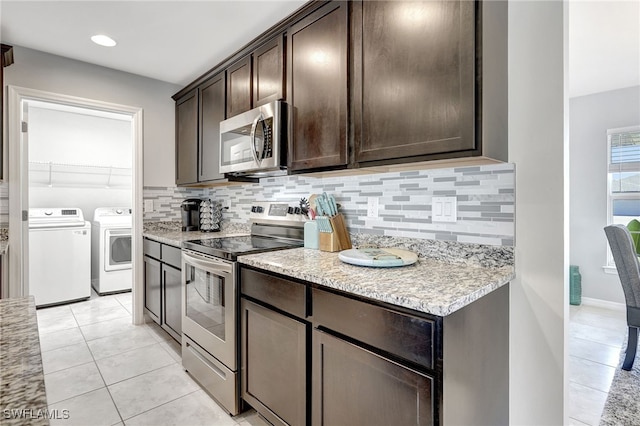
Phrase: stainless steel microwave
(254, 143)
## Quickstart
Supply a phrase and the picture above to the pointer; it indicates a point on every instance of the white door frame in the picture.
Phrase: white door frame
(19, 184)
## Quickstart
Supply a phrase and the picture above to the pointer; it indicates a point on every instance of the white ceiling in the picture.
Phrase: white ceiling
(172, 41)
(177, 41)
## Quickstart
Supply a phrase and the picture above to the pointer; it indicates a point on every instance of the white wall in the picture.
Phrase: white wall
(81, 139)
(42, 71)
(537, 146)
(590, 118)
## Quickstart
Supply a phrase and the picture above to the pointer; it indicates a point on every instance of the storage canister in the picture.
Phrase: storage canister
(575, 285)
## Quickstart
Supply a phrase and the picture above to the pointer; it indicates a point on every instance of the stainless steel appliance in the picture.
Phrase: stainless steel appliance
(211, 298)
(254, 143)
(190, 209)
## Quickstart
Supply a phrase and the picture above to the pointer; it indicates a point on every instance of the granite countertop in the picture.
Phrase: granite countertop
(171, 233)
(21, 376)
(431, 286)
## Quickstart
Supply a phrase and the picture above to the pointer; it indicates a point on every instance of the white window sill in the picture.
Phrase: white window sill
(610, 270)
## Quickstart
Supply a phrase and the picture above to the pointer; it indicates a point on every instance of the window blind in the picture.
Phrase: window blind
(624, 151)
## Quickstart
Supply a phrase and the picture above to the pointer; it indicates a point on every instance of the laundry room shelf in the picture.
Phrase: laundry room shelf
(78, 175)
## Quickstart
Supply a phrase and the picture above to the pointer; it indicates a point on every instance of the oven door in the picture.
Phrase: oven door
(117, 251)
(209, 307)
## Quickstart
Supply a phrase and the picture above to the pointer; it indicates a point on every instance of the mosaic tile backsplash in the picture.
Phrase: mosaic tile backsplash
(485, 197)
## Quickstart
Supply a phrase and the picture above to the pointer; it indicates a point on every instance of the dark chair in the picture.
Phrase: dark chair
(628, 266)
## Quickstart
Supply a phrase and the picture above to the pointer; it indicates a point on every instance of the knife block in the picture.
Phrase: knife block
(328, 241)
(340, 231)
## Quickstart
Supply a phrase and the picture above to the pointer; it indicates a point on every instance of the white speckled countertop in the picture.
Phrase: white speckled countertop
(431, 286)
(23, 396)
(171, 233)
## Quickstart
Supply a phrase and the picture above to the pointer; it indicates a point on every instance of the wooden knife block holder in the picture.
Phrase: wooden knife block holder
(328, 241)
(338, 239)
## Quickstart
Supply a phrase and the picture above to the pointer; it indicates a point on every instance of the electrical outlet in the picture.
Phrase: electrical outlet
(372, 207)
(148, 206)
(225, 203)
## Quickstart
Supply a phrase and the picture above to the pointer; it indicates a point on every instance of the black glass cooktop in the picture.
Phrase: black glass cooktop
(232, 247)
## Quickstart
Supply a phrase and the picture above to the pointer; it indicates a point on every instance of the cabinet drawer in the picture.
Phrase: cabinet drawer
(404, 335)
(151, 248)
(172, 255)
(280, 293)
(212, 375)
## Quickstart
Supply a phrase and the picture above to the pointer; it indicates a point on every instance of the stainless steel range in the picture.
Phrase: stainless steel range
(210, 314)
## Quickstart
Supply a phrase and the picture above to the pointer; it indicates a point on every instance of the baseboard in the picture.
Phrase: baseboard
(599, 303)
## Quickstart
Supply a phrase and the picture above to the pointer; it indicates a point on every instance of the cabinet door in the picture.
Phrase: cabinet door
(172, 298)
(352, 386)
(274, 364)
(268, 72)
(239, 87)
(414, 78)
(212, 112)
(187, 139)
(317, 88)
(153, 288)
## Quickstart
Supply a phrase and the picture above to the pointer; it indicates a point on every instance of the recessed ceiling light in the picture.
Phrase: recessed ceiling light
(103, 40)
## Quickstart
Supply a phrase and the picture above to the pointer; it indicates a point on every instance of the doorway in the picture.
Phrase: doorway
(62, 169)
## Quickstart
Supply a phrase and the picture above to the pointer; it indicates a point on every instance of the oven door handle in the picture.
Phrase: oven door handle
(209, 265)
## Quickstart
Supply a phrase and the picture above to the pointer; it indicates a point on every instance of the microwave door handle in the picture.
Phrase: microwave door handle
(253, 139)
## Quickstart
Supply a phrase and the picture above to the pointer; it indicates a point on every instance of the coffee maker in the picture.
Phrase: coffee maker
(190, 209)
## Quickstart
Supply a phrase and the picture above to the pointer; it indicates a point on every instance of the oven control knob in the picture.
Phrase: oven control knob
(260, 209)
(290, 210)
(297, 210)
(253, 209)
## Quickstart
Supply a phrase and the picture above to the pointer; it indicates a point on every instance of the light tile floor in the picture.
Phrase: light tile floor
(596, 336)
(106, 371)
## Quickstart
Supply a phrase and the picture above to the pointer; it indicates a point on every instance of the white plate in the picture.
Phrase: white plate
(379, 257)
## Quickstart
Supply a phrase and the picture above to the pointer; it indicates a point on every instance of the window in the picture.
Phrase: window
(623, 177)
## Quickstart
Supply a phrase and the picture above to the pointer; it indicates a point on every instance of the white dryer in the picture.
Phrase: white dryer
(59, 255)
(111, 250)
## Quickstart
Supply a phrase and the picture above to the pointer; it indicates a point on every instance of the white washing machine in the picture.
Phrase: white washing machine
(59, 255)
(111, 250)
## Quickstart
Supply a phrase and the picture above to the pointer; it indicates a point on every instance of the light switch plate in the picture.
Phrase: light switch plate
(444, 209)
(372, 207)
(148, 206)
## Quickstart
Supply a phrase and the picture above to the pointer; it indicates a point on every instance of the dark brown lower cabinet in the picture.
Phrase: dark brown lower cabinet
(354, 386)
(163, 286)
(172, 306)
(274, 364)
(152, 288)
(318, 356)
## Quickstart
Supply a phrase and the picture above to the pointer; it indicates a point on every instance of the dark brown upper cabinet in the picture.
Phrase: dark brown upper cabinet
(268, 72)
(414, 80)
(256, 79)
(6, 59)
(239, 87)
(187, 139)
(317, 56)
(198, 117)
(212, 112)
